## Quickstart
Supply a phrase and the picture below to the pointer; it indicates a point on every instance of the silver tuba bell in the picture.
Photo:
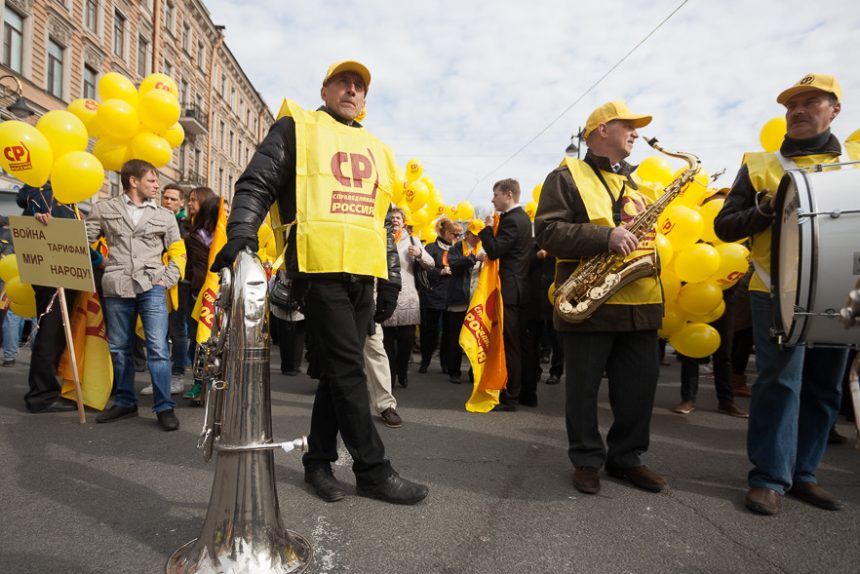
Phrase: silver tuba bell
(242, 532)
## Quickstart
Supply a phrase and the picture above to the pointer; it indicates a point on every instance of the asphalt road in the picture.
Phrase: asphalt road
(122, 497)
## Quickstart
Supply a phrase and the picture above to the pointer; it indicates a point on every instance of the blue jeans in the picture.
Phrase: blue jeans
(792, 409)
(13, 328)
(120, 315)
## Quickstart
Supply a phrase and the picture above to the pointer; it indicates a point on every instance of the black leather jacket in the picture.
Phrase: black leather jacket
(270, 176)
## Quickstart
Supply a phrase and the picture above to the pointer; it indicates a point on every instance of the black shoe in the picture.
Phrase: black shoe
(9, 363)
(404, 381)
(504, 408)
(167, 420)
(835, 438)
(444, 370)
(455, 379)
(395, 490)
(325, 484)
(422, 368)
(116, 413)
(289, 372)
(552, 380)
(528, 401)
(58, 406)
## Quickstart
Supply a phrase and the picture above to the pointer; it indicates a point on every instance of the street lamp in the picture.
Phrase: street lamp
(19, 108)
(573, 148)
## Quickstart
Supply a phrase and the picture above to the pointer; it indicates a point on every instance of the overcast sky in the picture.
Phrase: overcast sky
(462, 85)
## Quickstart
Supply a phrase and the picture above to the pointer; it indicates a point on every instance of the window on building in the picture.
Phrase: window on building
(142, 56)
(13, 40)
(221, 135)
(197, 162)
(113, 183)
(186, 38)
(90, 75)
(233, 98)
(223, 83)
(220, 181)
(91, 15)
(201, 55)
(182, 149)
(198, 102)
(55, 68)
(168, 67)
(119, 34)
(230, 142)
(183, 91)
(169, 16)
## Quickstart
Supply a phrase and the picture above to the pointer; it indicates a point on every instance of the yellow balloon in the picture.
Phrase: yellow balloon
(696, 263)
(536, 192)
(671, 286)
(27, 154)
(673, 321)
(86, 110)
(421, 217)
(113, 154)
(434, 201)
(398, 188)
(530, 209)
(158, 110)
(158, 81)
(681, 225)
(655, 168)
(664, 249)
(272, 250)
(175, 135)
(23, 310)
(708, 317)
(696, 340)
(21, 293)
(700, 298)
(8, 267)
(407, 215)
(854, 137)
(77, 176)
(150, 147)
(114, 85)
(428, 233)
(414, 169)
(465, 211)
(416, 193)
(734, 264)
(709, 212)
(772, 134)
(64, 131)
(429, 183)
(118, 119)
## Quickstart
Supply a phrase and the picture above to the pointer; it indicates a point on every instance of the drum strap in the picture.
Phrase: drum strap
(787, 164)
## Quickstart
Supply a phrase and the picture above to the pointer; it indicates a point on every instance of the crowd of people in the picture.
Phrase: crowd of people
(372, 295)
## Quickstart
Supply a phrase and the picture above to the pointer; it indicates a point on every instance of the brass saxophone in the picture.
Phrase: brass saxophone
(598, 278)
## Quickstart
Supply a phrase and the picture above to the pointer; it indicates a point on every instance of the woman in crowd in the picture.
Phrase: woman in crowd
(399, 331)
(203, 206)
(461, 259)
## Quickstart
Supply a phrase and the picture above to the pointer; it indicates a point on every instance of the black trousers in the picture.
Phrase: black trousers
(514, 335)
(338, 314)
(631, 366)
(721, 357)
(47, 349)
(291, 342)
(451, 341)
(398, 342)
(431, 321)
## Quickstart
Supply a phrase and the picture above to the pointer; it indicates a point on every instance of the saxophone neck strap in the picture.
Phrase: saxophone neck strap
(616, 202)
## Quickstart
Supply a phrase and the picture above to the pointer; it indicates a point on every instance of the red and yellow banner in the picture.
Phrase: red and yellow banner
(92, 354)
(482, 342)
(204, 308)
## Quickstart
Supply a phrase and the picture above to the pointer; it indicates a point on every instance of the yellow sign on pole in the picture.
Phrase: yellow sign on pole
(54, 255)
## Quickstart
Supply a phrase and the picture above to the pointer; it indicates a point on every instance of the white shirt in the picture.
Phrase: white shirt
(135, 212)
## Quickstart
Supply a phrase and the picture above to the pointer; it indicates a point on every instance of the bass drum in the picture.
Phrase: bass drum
(815, 255)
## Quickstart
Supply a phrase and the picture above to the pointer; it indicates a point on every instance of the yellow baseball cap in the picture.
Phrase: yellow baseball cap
(809, 82)
(349, 66)
(609, 111)
(475, 226)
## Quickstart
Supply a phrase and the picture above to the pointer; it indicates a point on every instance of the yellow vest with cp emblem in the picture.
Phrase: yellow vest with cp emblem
(344, 177)
(766, 171)
(644, 291)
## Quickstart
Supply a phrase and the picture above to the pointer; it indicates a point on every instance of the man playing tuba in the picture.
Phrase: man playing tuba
(329, 180)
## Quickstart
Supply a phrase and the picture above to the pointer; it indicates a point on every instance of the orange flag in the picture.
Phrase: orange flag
(91, 353)
(204, 308)
(482, 342)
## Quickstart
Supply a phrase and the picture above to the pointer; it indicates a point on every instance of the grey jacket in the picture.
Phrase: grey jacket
(134, 260)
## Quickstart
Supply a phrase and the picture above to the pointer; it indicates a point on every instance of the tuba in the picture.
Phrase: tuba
(598, 278)
(242, 532)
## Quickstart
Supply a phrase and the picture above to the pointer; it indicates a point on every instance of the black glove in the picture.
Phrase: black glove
(230, 250)
(386, 301)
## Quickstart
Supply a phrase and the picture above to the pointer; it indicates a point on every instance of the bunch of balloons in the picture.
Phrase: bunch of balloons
(130, 123)
(423, 204)
(695, 265)
(22, 298)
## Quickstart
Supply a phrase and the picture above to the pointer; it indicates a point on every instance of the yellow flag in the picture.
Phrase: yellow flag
(91, 353)
(176, 253)
(482, 341)
(204, 308)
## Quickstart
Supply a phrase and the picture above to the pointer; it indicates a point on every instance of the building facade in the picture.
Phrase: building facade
(59, 49)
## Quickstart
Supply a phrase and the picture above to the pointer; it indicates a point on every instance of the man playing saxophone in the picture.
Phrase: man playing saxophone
(330, 182)
(582, 210)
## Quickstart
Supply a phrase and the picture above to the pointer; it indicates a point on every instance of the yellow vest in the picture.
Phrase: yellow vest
(765, 173)
(344, 178)
(646, 290)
